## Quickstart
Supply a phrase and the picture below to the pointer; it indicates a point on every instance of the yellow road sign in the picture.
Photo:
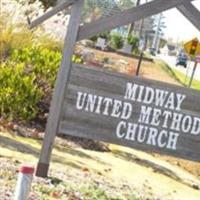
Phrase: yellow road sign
(192, 47)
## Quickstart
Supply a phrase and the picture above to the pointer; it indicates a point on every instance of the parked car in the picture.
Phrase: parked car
(152, 51)
(182, 59)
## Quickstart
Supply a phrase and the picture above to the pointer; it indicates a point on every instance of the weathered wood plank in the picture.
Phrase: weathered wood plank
(52, 12)
(128, 16)
(60, 88)
(101, 134)
(72, 94)
(70, 112)
(95, 74)
(113, 83)
(191, 13)
(80, 118)
(88, 123)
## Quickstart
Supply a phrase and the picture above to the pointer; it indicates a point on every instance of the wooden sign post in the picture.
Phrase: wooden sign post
(110, 107)
(60, 88)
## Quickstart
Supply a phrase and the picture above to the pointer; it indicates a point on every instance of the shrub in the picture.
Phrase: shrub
(46, 41)
(13, 35)
(116, 41)
(105, 35)
(42, 61)
(133, 41)
(77, 59)
(19, 94)
(26, 71)
(43, 64)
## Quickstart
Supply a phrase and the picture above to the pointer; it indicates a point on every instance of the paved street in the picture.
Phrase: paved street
(171, 61)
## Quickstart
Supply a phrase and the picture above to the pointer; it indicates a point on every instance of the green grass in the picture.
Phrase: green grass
(185, 80)
(74, 172)
(178, 76)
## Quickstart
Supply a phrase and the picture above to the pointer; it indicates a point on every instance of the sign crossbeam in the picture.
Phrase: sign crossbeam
(191, 13)
(127, 16)
(51, 13)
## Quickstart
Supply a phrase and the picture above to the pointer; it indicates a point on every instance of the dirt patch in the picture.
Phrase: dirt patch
(128, 65)
(190, 166)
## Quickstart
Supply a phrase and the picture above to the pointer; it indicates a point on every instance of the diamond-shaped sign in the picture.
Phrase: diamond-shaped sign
(192, 47)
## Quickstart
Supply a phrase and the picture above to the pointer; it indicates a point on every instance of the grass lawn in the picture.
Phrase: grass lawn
(76, 173)
(178, 76)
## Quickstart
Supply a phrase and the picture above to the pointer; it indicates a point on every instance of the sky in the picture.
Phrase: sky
(178, 27)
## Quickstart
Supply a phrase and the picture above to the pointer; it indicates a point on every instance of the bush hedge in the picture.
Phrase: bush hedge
(19, 94)
(28, 76)
(39, 60)
(116, 41)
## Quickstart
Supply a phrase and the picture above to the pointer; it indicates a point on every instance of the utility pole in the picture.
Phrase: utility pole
(156, 39)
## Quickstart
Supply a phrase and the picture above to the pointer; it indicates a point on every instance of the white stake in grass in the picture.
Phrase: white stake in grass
(24, 181)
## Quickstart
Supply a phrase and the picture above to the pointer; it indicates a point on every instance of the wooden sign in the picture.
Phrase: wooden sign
(139, 113)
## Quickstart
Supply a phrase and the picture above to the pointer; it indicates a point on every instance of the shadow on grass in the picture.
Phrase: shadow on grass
(146, 163)
(171, 73)
(65, 149)
(28, 149)
(72, 152)
(79, 154)
(149, 164)
(18, 146)
(24, 148)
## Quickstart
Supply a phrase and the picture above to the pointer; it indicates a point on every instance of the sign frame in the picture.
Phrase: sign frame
(76, 32)
(136, 112)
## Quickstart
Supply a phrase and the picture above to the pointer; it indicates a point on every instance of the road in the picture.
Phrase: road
(171, 61)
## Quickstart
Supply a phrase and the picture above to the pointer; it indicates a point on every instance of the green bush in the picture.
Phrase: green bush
(133, 41)
(27, 78)
(43, 62)
(116, 41)
(19, 94)
(77, 59)
(27, 72)
(105, 35)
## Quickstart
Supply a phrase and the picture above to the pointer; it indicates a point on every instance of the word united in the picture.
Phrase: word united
(160, 120)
